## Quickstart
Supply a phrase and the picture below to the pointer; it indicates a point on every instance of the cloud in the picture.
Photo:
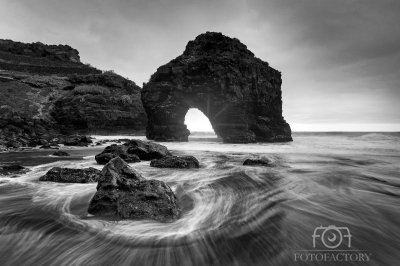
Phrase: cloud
(339, 59)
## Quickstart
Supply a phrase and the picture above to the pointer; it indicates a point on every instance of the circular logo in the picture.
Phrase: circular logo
(332, 237)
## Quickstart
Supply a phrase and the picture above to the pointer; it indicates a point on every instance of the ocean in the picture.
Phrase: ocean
(326, 199)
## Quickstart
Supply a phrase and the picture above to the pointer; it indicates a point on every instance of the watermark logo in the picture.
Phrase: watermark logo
(332, 243)
(331, 236)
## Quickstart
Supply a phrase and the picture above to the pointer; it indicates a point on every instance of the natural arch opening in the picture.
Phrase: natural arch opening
(199, 125)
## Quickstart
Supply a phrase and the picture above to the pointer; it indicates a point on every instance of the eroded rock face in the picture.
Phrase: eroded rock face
(239, 93)
(69, 175)
(101, 104)
(123, 192)
(175, 162)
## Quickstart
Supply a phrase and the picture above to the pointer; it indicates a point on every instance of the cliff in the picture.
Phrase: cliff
(45, 91)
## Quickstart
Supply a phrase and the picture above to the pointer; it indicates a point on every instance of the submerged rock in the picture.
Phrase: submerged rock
(61, 153)
(238, 92)
(263, 162)
(69, 175)
(123, 192)
(175, 162)
(113, 151)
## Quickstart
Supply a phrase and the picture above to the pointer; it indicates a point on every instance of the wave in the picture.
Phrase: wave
(231, 214)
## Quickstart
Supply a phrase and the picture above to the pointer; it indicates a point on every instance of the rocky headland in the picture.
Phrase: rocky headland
(47, 95)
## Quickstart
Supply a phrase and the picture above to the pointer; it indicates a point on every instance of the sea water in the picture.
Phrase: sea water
(231, 214)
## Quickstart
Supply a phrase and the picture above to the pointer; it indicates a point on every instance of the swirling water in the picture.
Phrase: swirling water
(231, 214)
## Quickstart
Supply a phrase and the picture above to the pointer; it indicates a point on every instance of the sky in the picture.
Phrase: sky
(340, 59)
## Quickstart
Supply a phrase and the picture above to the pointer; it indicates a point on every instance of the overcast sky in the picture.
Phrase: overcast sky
(340, 59)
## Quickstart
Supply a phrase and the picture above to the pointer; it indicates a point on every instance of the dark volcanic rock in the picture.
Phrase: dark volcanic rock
(123, 192)
(146, 150)
(257, 162)
(77, 141)
(69, 175)
(13, 167)
(113, 151)
(61, 153)
(239, 93)
(175, 162)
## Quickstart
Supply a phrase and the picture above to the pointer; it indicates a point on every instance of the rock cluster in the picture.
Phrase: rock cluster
(113, 151)
(69, 175)
(133, 151)
(239, 93)
(123, 192)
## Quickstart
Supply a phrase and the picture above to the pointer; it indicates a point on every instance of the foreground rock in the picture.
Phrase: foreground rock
(61, 153)
(257, 162)
(123, 192)
(113, 151)
(175, 162)
(239, 93)
(69, 175)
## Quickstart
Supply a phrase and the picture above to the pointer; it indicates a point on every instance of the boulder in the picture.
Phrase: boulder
(146, 150)
(113, 151)
(61, 153)
(175, 162)
(69, 175)
(14, 144)
(263, 162)
(47, 146)
(238, 92)
(123, 192)
(81, 141)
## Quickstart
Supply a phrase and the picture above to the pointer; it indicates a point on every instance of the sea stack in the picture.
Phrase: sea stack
(239, 93)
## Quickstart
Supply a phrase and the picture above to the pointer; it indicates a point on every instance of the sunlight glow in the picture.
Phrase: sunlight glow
(197, 121)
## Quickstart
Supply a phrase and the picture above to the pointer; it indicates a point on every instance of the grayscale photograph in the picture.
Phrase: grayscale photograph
(199, 132)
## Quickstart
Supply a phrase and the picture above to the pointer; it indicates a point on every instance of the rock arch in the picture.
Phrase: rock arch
(239, 93)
